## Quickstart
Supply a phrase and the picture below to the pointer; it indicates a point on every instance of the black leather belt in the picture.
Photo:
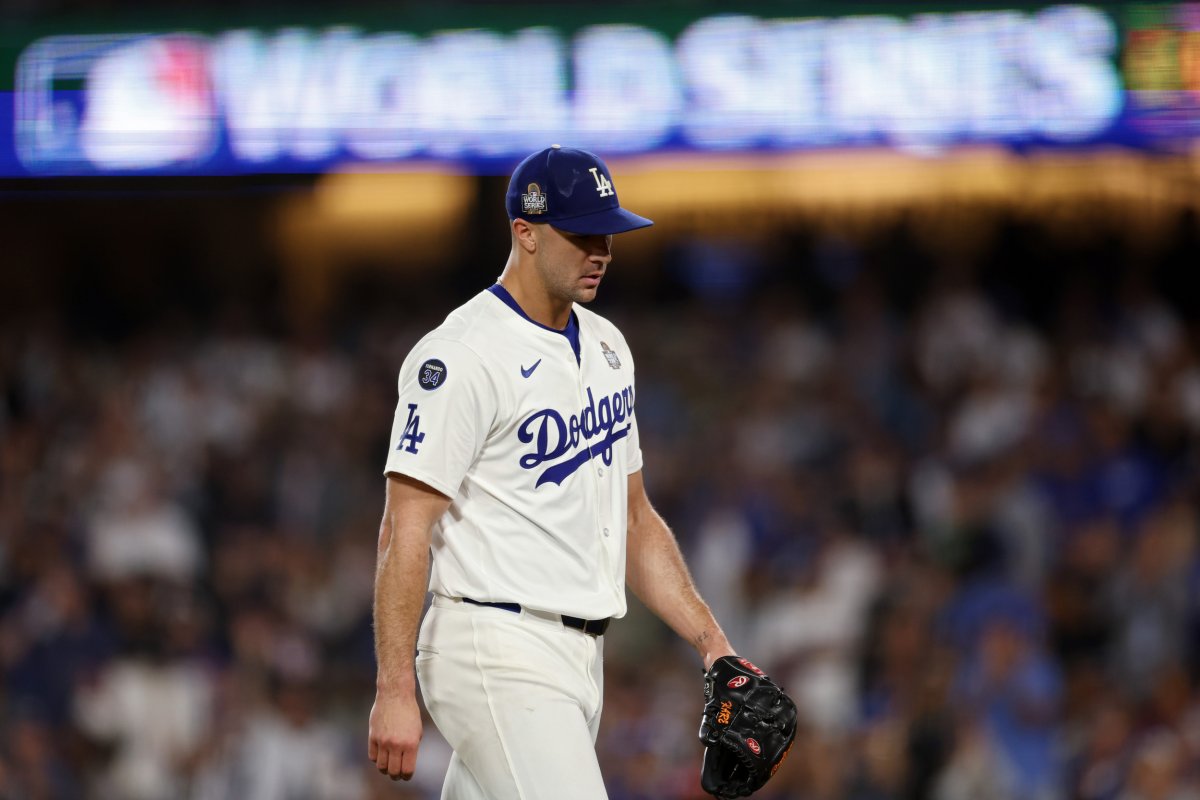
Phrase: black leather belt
(592, 627)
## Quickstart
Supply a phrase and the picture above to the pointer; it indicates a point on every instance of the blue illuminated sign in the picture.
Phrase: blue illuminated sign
(305, 100)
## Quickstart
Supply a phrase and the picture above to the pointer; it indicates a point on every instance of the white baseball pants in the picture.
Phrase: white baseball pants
(518, 697)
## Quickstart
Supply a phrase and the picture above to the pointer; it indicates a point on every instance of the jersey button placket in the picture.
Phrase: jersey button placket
(597, 483)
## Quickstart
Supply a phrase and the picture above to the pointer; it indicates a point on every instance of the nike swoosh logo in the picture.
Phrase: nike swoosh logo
(525, 373)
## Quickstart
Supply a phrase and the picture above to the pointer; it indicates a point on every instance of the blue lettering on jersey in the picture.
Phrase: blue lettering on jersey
(553, 437)
(412, 433)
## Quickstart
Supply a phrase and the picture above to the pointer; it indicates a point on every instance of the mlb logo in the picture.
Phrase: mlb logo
(150, 103)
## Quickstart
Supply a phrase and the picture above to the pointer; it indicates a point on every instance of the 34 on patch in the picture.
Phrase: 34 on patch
(432, 374)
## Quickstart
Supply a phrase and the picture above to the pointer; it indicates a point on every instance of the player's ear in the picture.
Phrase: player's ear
(524, 235)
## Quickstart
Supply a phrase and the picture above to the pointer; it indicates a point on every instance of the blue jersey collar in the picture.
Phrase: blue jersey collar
(571, 331)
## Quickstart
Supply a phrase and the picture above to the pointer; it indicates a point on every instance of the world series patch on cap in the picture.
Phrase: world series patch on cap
(570, 189)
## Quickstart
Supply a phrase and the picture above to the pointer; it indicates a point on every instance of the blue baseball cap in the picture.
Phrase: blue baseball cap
(570, 189)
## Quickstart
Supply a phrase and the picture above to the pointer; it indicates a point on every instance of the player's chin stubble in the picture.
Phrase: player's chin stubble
(566, 285)
(585, 294)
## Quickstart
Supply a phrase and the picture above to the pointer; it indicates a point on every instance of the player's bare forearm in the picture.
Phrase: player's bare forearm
(657, 574)
(401, 577)
(394, 729)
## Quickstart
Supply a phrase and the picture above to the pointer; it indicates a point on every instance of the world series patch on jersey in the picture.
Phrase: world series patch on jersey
(533, 443)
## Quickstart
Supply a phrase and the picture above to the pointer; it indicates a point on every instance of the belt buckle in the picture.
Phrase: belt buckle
(594, 627)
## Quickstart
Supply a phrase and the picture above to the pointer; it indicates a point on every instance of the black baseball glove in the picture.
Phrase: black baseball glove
(747, 729)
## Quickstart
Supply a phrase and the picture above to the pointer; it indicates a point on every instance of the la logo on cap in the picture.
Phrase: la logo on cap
(534, 201)
(603, 184)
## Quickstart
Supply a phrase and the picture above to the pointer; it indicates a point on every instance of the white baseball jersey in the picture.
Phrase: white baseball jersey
(533, 442)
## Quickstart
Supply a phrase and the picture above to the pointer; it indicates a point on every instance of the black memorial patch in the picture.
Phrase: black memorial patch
(432, 374)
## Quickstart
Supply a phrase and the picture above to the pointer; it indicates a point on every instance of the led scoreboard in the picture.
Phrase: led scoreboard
(305, 99)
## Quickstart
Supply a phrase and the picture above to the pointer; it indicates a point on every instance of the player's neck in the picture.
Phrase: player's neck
(537, 303)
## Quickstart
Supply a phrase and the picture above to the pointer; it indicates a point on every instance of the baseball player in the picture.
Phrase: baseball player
(515, 462)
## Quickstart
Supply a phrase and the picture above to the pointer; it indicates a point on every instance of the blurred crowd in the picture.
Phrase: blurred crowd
(957, 520)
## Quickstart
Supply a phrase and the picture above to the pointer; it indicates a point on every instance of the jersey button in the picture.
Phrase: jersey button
(601, 472)
(606, 531)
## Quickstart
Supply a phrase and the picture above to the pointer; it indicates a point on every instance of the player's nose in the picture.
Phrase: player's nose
(599, 248)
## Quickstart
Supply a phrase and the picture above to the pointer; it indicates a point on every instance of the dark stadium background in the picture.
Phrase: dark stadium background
(931, 452)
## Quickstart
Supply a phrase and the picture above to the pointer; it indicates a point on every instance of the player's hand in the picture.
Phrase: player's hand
(394, 733)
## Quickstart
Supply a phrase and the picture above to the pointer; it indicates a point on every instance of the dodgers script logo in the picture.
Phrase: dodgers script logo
(553, 437)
